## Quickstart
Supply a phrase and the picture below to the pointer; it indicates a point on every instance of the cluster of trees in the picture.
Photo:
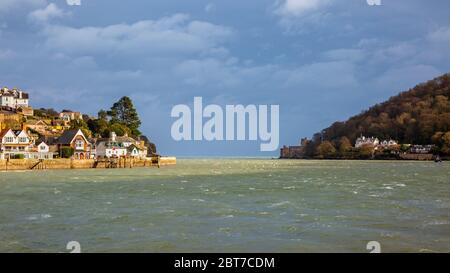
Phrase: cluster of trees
(341, 148)
(46, 113)
(419, 116)
(122, 118)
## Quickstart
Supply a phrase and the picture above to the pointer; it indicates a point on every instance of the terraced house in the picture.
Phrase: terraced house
(18, 144)
(14, 143)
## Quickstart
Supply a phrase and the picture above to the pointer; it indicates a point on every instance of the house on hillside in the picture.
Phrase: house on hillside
(388, 143)
(76, 140)
(38, 125)
(13, 98)
(422, 149)
(26, 111)
(59, 125)
(69, 116)
(375, 143)
(363, 141)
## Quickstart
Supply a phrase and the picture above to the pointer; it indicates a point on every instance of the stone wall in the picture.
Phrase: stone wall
(27, 164)
(416, 156)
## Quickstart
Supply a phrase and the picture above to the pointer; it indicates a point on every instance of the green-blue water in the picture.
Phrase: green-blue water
(230, 205)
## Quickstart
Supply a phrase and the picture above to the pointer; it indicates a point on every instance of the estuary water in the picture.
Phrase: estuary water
(230, 205)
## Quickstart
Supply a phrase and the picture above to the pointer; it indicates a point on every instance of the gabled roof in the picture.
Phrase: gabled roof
(36, 122)
(15, 132)
(131, 148)
(4, 132)
(47, 140)
(40, 142)
(125, 139)
(68, 136)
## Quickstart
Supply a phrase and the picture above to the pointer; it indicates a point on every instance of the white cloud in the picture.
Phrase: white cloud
(302, 16)
(176, 33)
(299, 7)
(47, 13)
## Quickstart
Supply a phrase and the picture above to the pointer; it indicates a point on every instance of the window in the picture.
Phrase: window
(42, 147)
(79, 144)
(9, 139)
(23, 139)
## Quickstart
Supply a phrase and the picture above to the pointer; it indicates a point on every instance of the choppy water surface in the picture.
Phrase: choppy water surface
(230, 205)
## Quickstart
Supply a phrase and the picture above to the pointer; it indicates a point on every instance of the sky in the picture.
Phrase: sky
(321, 61)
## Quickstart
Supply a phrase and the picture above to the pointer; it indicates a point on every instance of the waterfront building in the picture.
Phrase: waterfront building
(363, 141)
(291, 152)
(76, 140)
(41, 150)
(388, 143)
(116, 146)
(14, 143)
(422, 149)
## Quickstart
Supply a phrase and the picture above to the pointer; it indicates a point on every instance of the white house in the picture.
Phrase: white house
(375, 142)
(115, 146)
(110, 147)
(69, 116)
(133, 151)
(14, 143)
(13, 98)
(388, 143)
(40, 151)
(362, 141)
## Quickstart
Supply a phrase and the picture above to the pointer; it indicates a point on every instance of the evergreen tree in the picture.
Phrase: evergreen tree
(123, 112)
